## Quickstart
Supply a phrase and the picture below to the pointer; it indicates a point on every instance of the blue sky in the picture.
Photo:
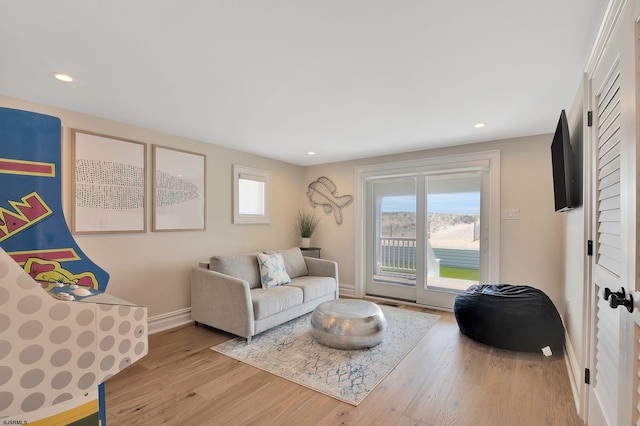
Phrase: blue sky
(459, 203)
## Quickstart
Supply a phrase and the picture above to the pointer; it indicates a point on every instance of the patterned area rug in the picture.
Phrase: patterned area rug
(290, 351)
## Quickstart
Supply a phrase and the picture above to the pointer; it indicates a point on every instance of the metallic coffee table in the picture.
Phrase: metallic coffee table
(348, 324)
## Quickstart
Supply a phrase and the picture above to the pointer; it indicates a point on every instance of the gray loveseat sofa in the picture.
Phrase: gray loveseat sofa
(229, 295)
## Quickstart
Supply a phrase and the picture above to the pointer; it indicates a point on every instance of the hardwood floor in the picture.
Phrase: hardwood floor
(447, 379)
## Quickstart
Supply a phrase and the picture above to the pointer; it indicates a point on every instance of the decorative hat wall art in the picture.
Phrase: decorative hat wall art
(323, 192)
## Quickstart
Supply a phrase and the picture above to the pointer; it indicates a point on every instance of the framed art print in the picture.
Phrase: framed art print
(108, 184)
(179, 187)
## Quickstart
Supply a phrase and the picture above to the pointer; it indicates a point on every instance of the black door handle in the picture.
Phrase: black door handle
(618, 298)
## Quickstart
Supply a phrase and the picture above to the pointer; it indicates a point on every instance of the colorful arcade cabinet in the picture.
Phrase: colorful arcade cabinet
(61, 334)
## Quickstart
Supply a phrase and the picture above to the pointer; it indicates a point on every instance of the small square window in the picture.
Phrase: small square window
(251, 195)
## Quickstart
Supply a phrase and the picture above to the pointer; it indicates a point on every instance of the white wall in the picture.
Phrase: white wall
(532, 248)
(575, 250)
(152, 268)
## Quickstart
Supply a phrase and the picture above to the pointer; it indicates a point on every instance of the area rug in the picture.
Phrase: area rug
(290, 351)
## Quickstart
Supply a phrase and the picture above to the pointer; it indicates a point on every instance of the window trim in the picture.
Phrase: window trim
(248, 173)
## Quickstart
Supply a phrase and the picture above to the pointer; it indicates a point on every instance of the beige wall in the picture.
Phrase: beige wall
(152, 268)
(532, 248)
(337, 241)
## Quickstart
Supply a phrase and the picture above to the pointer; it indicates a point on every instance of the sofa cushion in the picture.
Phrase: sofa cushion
(242, 266)
(293, 261)
(272, 270)
(270, 301)
(314, 287)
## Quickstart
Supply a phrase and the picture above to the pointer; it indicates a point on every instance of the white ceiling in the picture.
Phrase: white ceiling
(345, 78)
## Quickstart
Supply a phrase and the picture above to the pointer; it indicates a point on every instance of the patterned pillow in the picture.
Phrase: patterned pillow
(272, 270)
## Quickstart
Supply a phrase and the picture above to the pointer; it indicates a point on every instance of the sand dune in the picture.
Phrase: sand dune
(446, 230)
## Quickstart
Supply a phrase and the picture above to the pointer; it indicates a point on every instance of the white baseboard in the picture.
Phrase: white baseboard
(573, 369)
(348, 290)
(169, 320)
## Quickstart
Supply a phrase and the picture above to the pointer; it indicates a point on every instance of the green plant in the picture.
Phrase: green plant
(307, 223)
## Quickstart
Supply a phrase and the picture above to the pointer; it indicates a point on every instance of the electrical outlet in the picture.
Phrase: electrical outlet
(510, 214)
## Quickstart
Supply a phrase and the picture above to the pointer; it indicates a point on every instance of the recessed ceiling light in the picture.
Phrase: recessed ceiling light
(479, 125)
(311, 153)
(62, 77)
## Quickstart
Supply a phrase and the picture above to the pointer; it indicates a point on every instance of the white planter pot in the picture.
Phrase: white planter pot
(305, 242)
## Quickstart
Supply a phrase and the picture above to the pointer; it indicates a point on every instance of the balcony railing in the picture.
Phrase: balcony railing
(398, 255)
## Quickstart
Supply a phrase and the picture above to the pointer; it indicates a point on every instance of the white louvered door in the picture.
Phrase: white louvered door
(607, 243)
(613, 394)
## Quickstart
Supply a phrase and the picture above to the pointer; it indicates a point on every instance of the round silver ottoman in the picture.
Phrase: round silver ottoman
(348, 324)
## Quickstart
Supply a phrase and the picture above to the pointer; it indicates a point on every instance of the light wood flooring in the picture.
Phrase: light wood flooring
(447, 379)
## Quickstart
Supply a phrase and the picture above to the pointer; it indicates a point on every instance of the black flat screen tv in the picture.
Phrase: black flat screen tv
(562, 164)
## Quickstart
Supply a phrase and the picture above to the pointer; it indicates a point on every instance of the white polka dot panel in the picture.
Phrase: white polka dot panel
(121, 337)
(52, 351)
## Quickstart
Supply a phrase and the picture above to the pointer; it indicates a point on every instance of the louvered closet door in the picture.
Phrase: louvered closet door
(613, 394)
(607, 266)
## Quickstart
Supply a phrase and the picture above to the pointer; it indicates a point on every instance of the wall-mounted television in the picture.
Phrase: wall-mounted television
(563, 166)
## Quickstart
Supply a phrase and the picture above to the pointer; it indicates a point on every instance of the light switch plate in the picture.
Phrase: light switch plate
(510, 214)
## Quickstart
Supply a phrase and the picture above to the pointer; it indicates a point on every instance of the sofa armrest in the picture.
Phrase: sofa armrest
(322, 268)
(221, 301)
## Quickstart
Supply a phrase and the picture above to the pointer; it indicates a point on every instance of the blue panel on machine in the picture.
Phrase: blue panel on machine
(33, 230)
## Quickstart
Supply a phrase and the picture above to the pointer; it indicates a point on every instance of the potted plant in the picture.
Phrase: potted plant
(307, 223)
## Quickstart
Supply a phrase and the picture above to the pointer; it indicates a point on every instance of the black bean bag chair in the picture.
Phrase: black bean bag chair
(514, 317)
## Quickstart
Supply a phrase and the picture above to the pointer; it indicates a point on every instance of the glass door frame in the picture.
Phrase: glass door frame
(490, 243)
(390, 289)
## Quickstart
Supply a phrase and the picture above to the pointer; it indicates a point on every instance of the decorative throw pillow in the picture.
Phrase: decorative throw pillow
(294, 263)
(272, 270)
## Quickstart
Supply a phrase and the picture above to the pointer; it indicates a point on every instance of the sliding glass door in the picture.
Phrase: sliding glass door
(393, 238)
(453, 231)
(426, 234)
